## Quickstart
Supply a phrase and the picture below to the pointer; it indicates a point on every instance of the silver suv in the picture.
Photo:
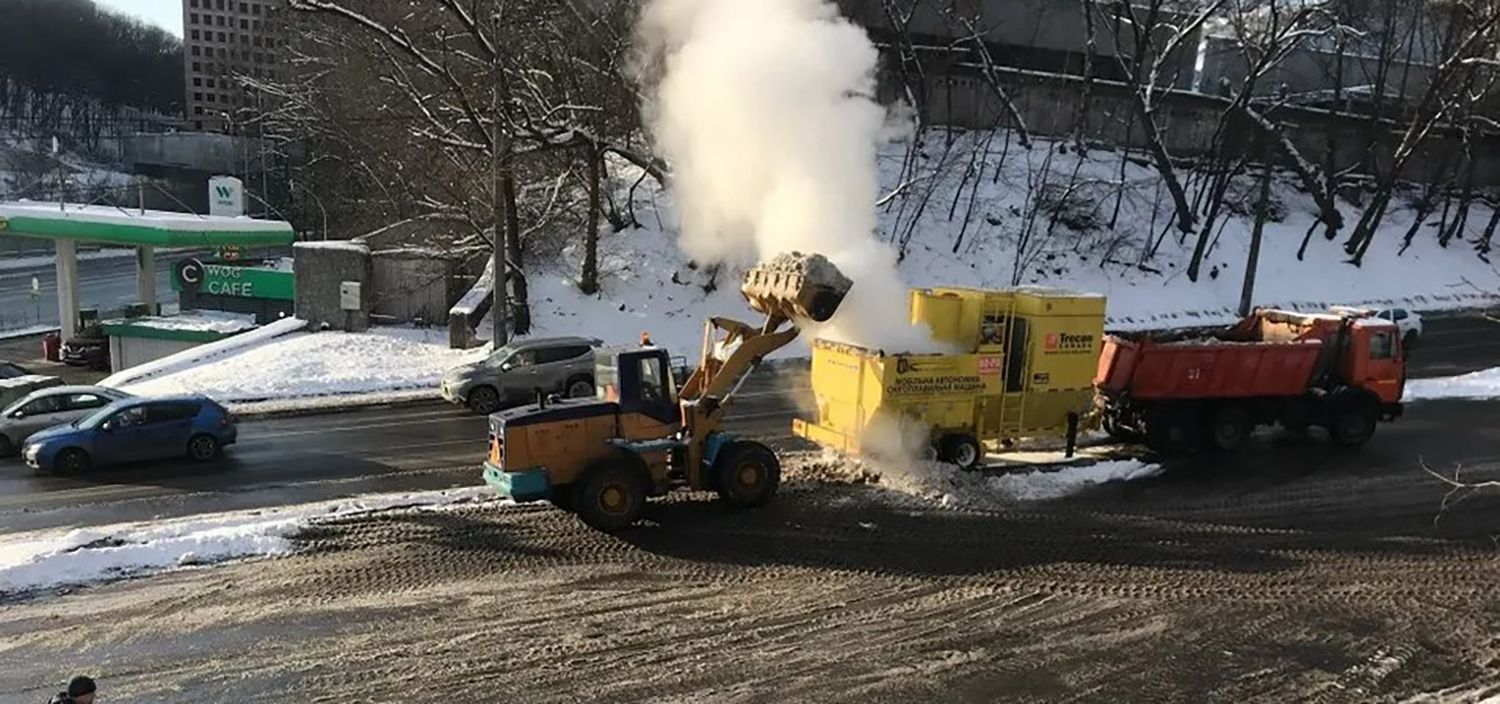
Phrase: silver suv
(516, 372)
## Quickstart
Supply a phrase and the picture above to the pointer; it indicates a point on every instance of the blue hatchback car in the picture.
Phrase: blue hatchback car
(135, 429)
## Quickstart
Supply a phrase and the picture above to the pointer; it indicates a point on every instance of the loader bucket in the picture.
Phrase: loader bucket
(796, 286)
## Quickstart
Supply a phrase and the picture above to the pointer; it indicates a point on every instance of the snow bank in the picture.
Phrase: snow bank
(948, 486)
(321, 364)
(1483, 384)
(34, 561)
(203, 353)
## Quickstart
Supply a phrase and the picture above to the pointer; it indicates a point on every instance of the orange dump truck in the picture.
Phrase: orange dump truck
(1340, 371)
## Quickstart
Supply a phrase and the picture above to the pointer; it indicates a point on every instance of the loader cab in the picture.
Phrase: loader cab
(640, 381)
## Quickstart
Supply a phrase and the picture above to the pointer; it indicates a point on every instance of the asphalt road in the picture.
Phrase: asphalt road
(103, 283)
(293, 460)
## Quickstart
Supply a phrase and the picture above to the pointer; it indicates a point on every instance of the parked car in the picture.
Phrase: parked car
(11, 370)
(1408, 322)
(134, 429)
(17, 387)
(52, 406)
(90, 352)
(514, 374)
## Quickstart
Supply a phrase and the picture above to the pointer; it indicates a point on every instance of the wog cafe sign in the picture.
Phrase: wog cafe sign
(237, 281)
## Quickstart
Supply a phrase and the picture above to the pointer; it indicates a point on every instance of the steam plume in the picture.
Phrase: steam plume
(766, 110)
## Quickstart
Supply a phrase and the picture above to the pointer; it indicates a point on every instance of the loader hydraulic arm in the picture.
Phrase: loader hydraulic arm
(789, 289)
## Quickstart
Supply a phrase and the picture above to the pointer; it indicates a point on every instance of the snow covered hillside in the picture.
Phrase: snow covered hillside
(977, 223)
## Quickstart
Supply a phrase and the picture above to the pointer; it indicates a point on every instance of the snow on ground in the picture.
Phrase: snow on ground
(946, 485)
(1480, 385)
(41, 560)
(204, 354)
(648, 284)
(316, 364)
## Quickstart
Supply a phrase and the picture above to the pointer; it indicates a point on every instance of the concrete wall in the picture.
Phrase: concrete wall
(413, 285)
(320, 267)
(195, 151)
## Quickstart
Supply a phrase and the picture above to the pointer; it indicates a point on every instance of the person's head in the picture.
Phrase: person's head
(81, 689)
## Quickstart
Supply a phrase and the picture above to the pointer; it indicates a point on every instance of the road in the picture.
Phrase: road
(106, 284)
(293, 460)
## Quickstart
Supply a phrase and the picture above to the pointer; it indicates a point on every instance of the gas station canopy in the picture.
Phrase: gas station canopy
(131, 227)
(67, 224)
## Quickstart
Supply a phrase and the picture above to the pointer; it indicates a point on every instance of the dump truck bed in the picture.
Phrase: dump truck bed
(1203, 369)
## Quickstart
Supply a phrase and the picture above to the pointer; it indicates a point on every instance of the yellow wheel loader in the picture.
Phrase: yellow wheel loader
(642, 436)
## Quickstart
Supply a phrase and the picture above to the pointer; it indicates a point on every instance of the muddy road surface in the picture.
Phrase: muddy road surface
(1298, 573)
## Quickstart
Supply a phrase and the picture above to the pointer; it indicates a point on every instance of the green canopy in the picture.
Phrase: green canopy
(112, 225)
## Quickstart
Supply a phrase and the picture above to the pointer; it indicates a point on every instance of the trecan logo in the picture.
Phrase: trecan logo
(1065, 343)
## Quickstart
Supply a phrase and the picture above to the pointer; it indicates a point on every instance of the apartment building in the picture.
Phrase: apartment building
(221, 39)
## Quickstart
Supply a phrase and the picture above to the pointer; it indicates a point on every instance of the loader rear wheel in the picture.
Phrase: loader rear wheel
(747, 474)
(961, 450)
(610, 496)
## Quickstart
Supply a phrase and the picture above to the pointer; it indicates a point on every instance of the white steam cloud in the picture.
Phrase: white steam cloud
(766, 110)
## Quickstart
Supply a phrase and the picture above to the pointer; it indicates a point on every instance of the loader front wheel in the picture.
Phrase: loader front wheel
(747, 474)
(610, 496)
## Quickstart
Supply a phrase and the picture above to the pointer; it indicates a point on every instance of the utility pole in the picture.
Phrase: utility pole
(500, 310)
(1261, 212)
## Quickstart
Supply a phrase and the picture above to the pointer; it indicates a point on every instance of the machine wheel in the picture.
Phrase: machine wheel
(1229, 428)
(71, 460)
(610, 496)
(562, 497)
(203, 447)
(580, 387)
(7, 448)
(1354, 423)
(747, 474)
(484, 400)
(960, 449)
(1168, 430)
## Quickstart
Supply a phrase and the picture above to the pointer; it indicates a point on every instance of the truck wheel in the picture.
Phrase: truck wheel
(484, 400)
(1229, 429)
(1168, 430)
(960, 449)
(580, 387)
(610, 496)
(1354, 425)
(747, 474)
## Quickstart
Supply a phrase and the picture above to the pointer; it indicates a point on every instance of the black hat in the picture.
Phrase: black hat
(80, 686)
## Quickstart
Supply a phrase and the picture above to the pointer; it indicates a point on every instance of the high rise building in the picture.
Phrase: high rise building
(223, 38)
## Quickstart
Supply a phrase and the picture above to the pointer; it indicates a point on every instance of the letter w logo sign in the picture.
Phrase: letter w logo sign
(222, 192)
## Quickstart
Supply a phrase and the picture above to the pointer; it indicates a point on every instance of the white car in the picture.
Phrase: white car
(1408, 322)
(50, 407)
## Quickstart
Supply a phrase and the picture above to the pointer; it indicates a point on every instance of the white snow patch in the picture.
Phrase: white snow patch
(638, 265)
(946, 485)
(1483, 384)
(197, 321)
(321, 364)
(40, 560)
(201, 354)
